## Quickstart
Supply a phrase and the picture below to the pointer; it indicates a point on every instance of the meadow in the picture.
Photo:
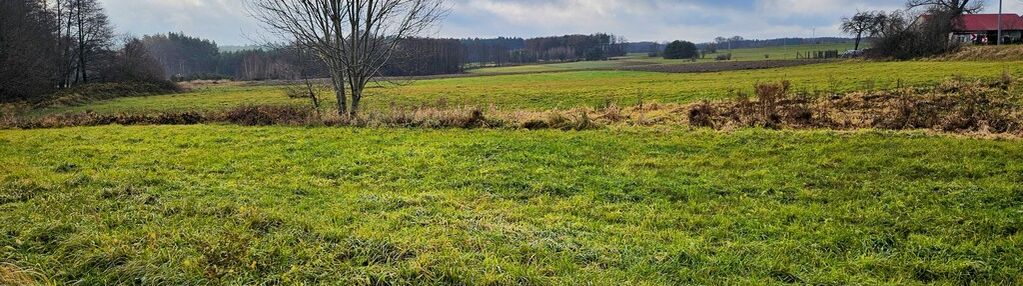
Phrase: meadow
(618, 204)
(632, 60)
(563, 90)
(212, 204)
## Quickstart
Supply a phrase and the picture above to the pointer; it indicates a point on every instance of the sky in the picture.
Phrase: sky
(228, 23)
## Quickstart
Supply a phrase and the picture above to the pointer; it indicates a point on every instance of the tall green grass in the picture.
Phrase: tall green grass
(234, 205)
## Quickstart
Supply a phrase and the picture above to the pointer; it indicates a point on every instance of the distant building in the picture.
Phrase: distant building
(982, 29)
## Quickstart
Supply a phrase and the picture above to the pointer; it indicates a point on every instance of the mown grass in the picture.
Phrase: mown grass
(234, 205)
(581, 89)
(748, 54)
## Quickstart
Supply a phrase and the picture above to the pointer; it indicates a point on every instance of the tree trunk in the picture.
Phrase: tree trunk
(356, 97)
(81, 44)
(68, 60)
(859, 36)
(337, 78)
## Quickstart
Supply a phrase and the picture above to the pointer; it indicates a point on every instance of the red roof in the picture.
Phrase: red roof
(989, 22)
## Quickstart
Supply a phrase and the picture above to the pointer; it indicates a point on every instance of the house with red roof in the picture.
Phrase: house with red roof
(982, 29)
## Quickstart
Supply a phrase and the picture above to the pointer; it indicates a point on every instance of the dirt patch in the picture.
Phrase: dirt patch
(720, 66)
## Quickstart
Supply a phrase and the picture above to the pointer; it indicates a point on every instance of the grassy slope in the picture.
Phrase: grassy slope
(197, 204)
(591, 88)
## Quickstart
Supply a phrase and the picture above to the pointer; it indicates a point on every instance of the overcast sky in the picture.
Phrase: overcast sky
(227, 23)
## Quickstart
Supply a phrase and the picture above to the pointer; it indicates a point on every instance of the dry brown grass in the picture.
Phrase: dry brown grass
(13, 275)
(955, 106)
(199, 84)
(985, 53)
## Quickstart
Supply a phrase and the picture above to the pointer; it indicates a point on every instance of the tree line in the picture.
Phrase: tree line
(186, 58)
(48, 45)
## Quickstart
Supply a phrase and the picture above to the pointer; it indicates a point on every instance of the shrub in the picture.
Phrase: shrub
(266, 115)
(902, 38)
(954, 106)
(702, 114)
(681, 50)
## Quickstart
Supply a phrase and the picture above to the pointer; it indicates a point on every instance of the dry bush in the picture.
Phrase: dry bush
(613, 113)
(94, 119)
(10, 113)
(266, 115)
(954, 106)
(703, 114)
(583, 122)
(773, 107)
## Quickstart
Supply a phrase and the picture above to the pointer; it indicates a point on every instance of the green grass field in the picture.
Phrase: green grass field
(750, 54)
(585, 88)
(658, 205)
(283, 205)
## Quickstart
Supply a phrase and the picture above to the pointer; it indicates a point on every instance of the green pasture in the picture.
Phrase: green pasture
(228, 205)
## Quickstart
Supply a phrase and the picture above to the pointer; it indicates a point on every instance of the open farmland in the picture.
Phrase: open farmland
(641, 60)
(237, 205)
(585, 88)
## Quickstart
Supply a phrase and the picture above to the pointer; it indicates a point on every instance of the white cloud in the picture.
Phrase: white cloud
(227, 22)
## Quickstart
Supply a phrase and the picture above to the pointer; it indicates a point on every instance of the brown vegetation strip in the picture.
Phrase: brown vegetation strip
(984, 53)
(955, 106)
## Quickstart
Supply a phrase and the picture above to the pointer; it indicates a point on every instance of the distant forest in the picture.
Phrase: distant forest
(648, 47)
(186, 58)
(50, 46)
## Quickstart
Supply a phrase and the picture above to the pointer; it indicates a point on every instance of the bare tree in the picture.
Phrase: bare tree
(316, 24)
(354, 38)
(88, 24)
(868, 23)
(302, 66)
(133, 63)
(26, 68)
(957, 7)
(376, 27)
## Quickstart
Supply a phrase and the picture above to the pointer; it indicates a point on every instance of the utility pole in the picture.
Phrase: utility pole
(999, 22)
